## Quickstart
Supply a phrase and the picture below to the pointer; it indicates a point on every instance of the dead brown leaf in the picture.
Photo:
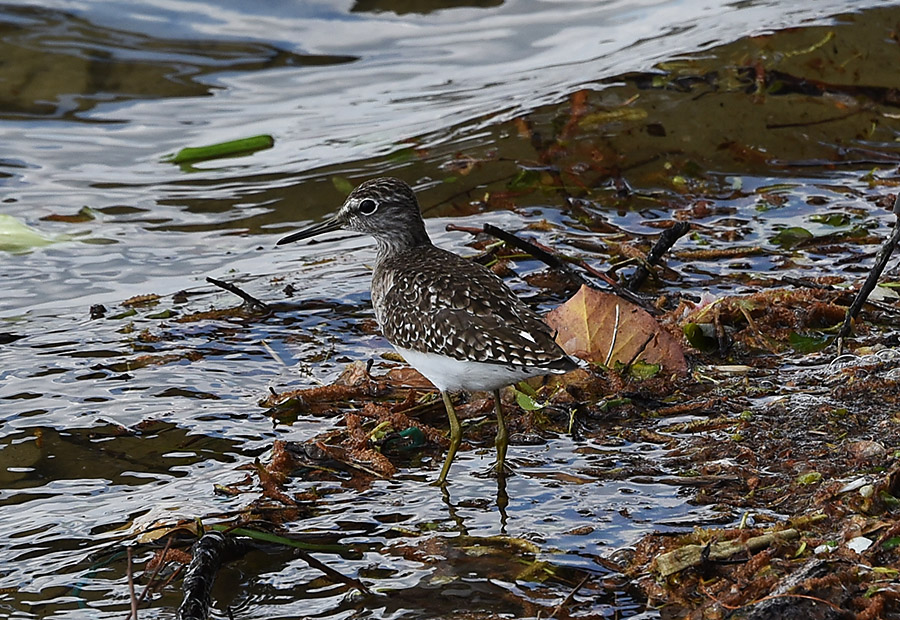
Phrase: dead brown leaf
(587, 328)
(407, 376)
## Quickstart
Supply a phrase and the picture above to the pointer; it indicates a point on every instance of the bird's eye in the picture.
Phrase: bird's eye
(367, 206)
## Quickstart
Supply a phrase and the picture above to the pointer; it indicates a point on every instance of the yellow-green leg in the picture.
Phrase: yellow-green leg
(455, 438)
(502, 440)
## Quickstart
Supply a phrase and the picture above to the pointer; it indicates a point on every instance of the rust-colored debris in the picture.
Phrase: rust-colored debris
(398, 421)
(714, 253)
(770, 321)
(143, 361)
(243, 311)
(360, 449)
(353, 384)
(163, 557)
(85, 214)
(141, 300)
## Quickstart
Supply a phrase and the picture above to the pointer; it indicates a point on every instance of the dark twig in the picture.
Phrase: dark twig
(134, 601)
(666, 240)
(159, 566)
(568, 598)
(532, 249)
(553, 259)
(330, 572)
(887, 308)
(214, 549)
(604, 277)
(175, 573)
(254, 303)
(472, 230)
(881, 260)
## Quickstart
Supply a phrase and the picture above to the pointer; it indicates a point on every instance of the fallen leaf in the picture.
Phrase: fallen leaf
(808, 343)
(701, 336)
(526, 402)
(85, 214)
(406, 376)
(586, 328)
(18, 237)
(791, 236)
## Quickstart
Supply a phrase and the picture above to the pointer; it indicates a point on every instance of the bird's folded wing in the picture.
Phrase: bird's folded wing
(462, 326)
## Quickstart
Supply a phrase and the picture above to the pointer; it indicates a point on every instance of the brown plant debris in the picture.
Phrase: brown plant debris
(605, 329)
(693, 555)
(141, 300)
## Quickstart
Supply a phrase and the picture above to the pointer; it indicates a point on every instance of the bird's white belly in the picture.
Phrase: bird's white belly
(447, 373)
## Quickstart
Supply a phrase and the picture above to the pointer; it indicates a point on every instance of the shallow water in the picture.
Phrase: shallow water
(96, 443)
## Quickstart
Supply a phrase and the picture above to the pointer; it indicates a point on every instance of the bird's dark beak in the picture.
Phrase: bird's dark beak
(331, 224)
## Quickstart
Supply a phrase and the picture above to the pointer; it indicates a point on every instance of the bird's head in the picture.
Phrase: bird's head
(385, 208)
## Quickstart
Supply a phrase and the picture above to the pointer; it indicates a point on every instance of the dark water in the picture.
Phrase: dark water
(98, 442)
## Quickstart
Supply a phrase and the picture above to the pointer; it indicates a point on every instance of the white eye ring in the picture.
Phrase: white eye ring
(367, 206)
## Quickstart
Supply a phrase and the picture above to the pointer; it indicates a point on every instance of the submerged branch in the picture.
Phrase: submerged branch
(209, 553)
(330, 572)
(253, 302)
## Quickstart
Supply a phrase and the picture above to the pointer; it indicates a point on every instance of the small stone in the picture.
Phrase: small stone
(866, 449)
(97, 311)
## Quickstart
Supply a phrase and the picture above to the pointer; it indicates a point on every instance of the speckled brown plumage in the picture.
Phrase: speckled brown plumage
(428, 299)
